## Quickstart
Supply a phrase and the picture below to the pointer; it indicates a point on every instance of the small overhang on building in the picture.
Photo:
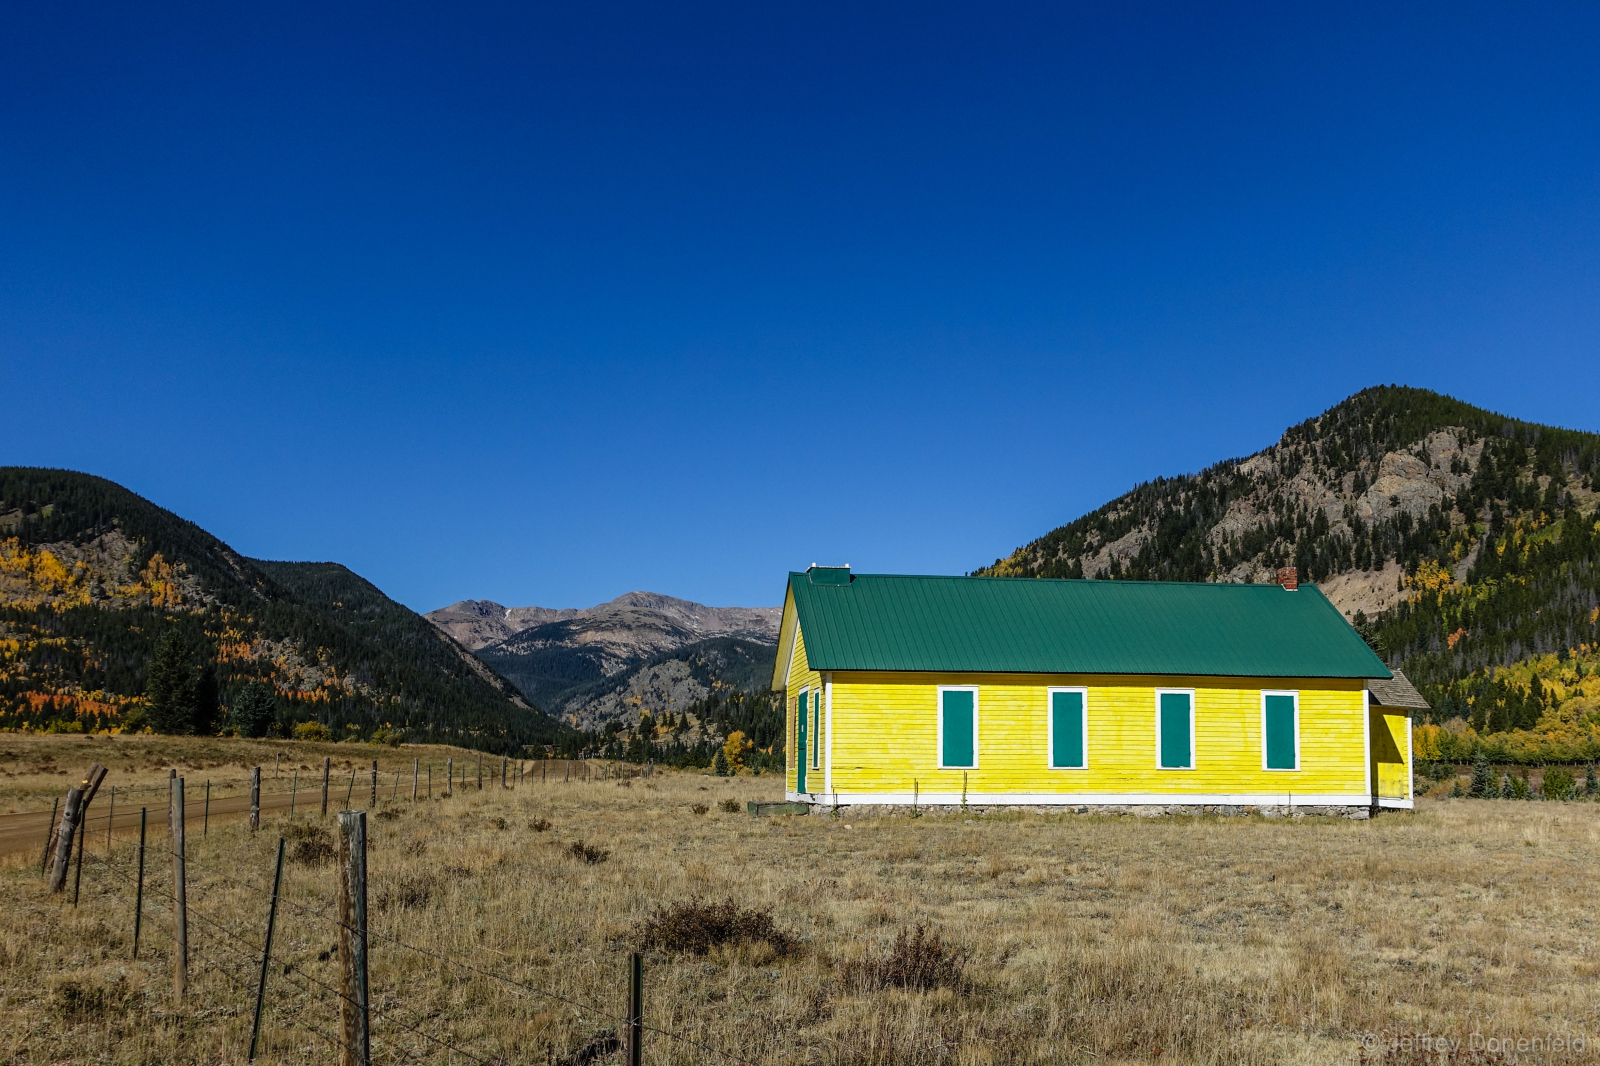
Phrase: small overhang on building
(1397, 692)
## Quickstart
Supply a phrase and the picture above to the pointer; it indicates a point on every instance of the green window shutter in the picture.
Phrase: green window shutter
(958, 714)
(1279, 730)
(1066, 729)
(1176, 744)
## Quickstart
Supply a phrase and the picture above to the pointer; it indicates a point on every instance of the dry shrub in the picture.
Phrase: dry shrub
(696, 927)
(588, 852)
(410, 893)
(499, 823)
(918, 959)
(699, 808)
(539, 825)
(77, 1001)
(729, 806)
(598, 1047)
(388, 814)
(415, 847)
(312, 845)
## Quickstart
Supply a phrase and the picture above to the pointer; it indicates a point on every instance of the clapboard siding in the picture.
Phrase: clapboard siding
(800, 676)
(1391, 754)
(886, 729)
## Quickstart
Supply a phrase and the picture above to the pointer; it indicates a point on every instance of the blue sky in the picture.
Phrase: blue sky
(544, 304)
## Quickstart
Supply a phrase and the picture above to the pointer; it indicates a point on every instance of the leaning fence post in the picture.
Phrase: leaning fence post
(138, 896)
(356, 1049)
(77, 873)
(72, 820)
(49, 835)
(266, 953)
(415, 764)
(351, 791)
(395, 794)
(635, 1009)
(255, 798)
(326, 762)
(294, 789)
(180, 897)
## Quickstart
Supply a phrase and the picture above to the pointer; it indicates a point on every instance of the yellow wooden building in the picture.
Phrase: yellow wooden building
(940, 691)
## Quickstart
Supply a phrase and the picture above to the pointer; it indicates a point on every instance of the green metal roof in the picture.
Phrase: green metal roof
(1034, 625)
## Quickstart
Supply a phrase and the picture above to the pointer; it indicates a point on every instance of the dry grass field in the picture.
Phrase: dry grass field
(1064, 938)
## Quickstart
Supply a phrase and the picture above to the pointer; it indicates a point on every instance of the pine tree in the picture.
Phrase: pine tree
(1506, 791)
(170, 687)
(1591, 784)
(1482, 778)
(719, 764)
(253, 709)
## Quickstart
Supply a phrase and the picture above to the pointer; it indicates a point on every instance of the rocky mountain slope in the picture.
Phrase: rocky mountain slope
(1461, 540)
(94, 577)
(588, 665)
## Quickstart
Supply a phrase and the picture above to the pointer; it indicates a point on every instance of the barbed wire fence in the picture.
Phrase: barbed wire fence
(130, 875)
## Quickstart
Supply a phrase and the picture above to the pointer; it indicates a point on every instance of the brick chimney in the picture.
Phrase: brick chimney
(1289, 578)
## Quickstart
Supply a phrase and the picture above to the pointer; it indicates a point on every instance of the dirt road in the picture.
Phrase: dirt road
(25, 832)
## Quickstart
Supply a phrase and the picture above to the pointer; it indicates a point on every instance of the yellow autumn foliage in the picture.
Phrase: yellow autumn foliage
(735, 748)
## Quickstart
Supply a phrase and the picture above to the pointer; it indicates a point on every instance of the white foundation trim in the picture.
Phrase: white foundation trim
(1058, 799)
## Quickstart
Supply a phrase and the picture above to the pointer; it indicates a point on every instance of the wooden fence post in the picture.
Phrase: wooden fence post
(415, 764)
(294, 790)
(255, 798)
(180, 897)
(356, 1049)
(77, 872)
(327, 761)
(351, 791)
(480, 771)
(395, 793)
(636, 1009)
(374, 803)
(49, 835)
(72, 815)
(503, 762)
(205, 819)
(138, 897)
(449, 776)
(430, 782)
(266, 953)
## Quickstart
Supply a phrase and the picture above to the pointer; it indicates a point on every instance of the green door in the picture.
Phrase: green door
(801, 749)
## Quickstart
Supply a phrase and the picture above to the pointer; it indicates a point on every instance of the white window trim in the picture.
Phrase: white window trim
(1194, 741)
(801, 710)
(827, 704)
(939, 716)
(1295, 695)
(816, 731)
(1050, 726)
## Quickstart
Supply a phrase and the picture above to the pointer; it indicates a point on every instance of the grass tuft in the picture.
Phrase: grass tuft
(695, 926)
(918, 960)
(588, 852)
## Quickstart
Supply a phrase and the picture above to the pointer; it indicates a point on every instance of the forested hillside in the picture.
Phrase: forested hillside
(97, 583)
(1462, 542)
